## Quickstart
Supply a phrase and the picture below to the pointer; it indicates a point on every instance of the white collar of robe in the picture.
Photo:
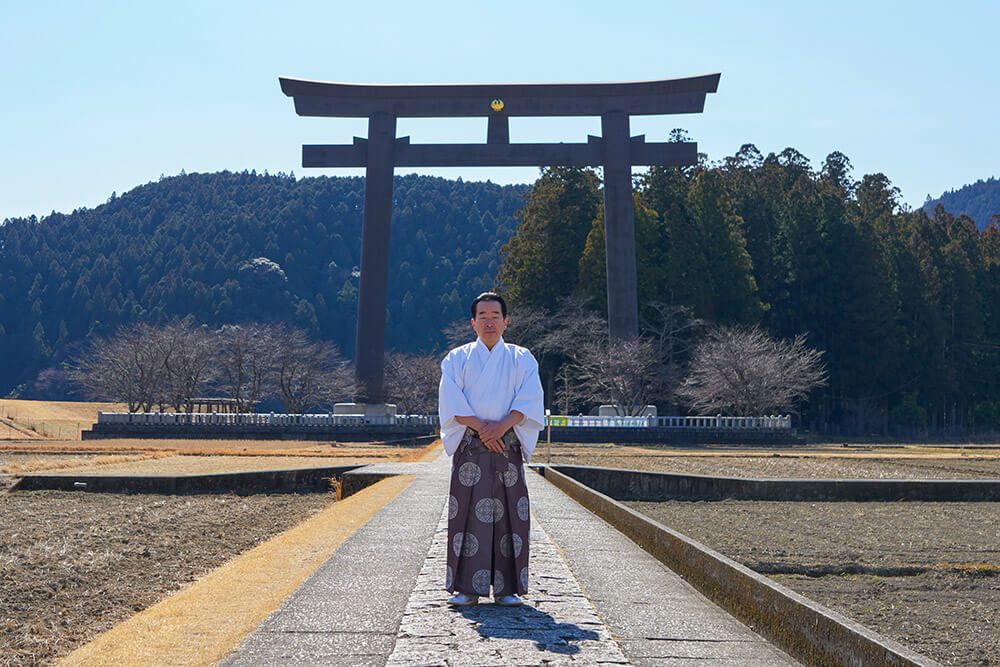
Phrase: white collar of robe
(481, 346)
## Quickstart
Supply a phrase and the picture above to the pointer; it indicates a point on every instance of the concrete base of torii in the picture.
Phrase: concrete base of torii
(365, 409)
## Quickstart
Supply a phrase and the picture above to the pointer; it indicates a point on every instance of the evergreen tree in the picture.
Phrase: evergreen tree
(541, 262)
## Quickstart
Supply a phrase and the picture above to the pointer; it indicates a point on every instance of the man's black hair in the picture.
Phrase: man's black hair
(489, 296)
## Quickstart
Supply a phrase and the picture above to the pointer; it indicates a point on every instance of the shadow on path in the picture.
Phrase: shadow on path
(526, 622)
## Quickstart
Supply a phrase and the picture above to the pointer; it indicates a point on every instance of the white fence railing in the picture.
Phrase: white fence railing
(261, 419)
(717, 423)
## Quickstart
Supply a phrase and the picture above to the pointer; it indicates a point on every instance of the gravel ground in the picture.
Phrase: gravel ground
(925, 574)
(784, 465)
(74, 564)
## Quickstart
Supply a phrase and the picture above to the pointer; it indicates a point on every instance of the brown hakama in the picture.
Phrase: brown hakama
(488, 519)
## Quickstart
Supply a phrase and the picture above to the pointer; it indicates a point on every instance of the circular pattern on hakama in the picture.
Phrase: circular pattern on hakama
(469, 474)
(452, 507)
(511, 545)
(524, 578)
(465, 544)
(522, 508)
(489, 510)
(497, 581)
(449, 578)
(510, 476)
(481, 582)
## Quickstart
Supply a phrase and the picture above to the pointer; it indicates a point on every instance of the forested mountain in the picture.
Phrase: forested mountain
(233, 247)
(980, 201)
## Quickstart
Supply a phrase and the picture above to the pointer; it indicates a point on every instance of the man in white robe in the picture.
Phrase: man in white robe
(491, 412)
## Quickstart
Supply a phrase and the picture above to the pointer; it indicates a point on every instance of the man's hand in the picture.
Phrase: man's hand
(491, 431)
(495, 446)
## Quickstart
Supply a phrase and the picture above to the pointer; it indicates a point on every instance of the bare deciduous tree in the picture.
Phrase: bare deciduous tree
(458, 333)
(624, 373)
(308, 373)
(245, 362)
(126, 368)
(674, 331)
(743, 371)
(190, 361)
(528, 326)
(572, 326)
(411, 382)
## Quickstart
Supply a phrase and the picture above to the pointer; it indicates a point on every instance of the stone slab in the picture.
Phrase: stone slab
(556, 626)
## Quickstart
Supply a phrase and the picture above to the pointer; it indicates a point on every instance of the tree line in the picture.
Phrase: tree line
(173, 367)
(166, 368)
(904, 306)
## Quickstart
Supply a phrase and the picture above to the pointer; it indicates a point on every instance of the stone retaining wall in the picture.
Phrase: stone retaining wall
(654, 486)
(260, 481)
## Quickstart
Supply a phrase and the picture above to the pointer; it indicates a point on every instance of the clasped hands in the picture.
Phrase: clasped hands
(491, 433)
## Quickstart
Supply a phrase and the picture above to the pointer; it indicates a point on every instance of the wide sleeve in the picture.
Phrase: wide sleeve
(451, 403)
(529, 398)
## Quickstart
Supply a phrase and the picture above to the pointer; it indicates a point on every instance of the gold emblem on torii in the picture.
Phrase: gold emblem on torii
(497, 104)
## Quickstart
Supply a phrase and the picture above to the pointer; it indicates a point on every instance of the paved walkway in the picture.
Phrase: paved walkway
(594, 598)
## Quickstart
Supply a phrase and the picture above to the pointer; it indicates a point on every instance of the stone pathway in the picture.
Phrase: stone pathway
(558, 625)
(594, 598)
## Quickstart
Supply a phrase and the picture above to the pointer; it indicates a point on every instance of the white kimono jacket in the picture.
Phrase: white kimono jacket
(477, 381)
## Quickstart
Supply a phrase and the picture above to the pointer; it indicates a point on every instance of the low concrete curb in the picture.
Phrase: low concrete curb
(261, 481)
(352, 482)
(806, 630)
(642, 485)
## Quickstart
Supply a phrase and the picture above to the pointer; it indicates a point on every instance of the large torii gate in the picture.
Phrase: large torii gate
(615, 150)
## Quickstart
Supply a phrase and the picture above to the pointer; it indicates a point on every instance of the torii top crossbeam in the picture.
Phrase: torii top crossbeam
(636, 98)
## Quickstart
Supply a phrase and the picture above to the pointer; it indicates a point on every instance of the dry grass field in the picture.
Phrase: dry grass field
(49, 419)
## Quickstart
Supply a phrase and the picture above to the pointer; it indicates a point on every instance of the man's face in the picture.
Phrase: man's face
(489, 323)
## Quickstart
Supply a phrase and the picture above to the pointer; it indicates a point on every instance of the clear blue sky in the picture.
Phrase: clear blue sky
(105, 96)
